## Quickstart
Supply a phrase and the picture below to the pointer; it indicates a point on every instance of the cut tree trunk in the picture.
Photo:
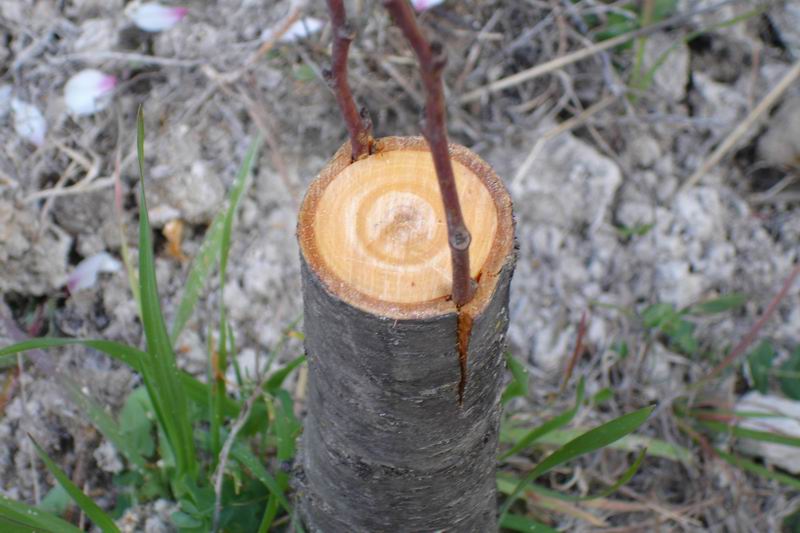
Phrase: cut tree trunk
(403, 389)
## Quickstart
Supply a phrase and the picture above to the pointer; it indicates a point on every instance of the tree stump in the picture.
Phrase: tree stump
(404, 388)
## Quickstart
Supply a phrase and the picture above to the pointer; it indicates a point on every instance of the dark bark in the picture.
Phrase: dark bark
(387, 447)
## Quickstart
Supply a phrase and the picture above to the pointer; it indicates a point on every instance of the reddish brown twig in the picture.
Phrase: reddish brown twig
(752, 335)
(576, 352)
(358, 124)
(432, 60)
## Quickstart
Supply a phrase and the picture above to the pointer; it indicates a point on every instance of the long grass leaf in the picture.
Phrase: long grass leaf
(744, 433)
(252, 463)
(220, 362)
(132, 357)
(201, 267)
(590, 441)
(631, 443)
(524, 524)
(759, 470)
(19, 517)
(92, 510)
(551, 425)
(106, 424)
(160, 372)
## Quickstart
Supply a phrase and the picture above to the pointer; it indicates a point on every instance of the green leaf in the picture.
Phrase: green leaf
(518, 387)
(790, 375)
(719, 305)
(754, 468)
(276, 380)
(656, 315)
(524, 524)
(590, 441)
(211, 247)
(506, 487)
(245, 457)
(136, 423)
(744, 433)
(554, 423)
(759, 363)
(19, 517)
(639, 230)
(121, 352)
(100, 519)
(55, 502)
(160, 371)
(107, 426)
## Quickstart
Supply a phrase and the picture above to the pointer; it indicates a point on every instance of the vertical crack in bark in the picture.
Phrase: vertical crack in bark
(464, 320)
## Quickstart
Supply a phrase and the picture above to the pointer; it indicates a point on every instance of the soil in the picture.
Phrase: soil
(594, 158)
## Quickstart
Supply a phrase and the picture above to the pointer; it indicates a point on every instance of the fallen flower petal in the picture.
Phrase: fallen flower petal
(422, 5)
(85, 274)
(88, 91)
(154, 17)
(29, 123)
(301, 29)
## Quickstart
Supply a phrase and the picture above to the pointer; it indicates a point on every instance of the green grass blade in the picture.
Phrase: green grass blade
(551, 425)
(100, 519)
(212, 245)
(630, 443)
(220, 364)
(132, 357)
(245, 457)
(201, 267)
(518, 387)
(506, 484)
(160, 372)
(106, 424)
(276, 380)
(590, 441)
(754, 434)
(19, 517)
(755, 468)
(524, 524)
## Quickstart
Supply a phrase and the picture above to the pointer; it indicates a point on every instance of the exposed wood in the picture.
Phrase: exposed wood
(387, 446)
(381, 226)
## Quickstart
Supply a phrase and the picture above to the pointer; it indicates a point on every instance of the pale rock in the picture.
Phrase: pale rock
(787, 423)
(672, 76)
(676, 284)
(700, 211)
(107, 458)
(787, 22)
(570, 184)
(194, 194)
(96, 35)
(645, 150)
(780, 144)
(721, 103)
(33, 257)
(5, 100)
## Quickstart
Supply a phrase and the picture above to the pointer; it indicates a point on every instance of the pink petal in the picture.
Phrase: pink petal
(88, 91)
(154, 17)
(85, 274)
(422, 5)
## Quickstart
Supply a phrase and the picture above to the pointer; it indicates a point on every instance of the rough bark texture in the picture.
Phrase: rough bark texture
(386, 445)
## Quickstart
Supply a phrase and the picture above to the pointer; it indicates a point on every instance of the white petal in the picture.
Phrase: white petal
(154, 17)
(88, 91)
(5, 100)
(422, 5)
(28, 121)
(85, 274)
(301, 29)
